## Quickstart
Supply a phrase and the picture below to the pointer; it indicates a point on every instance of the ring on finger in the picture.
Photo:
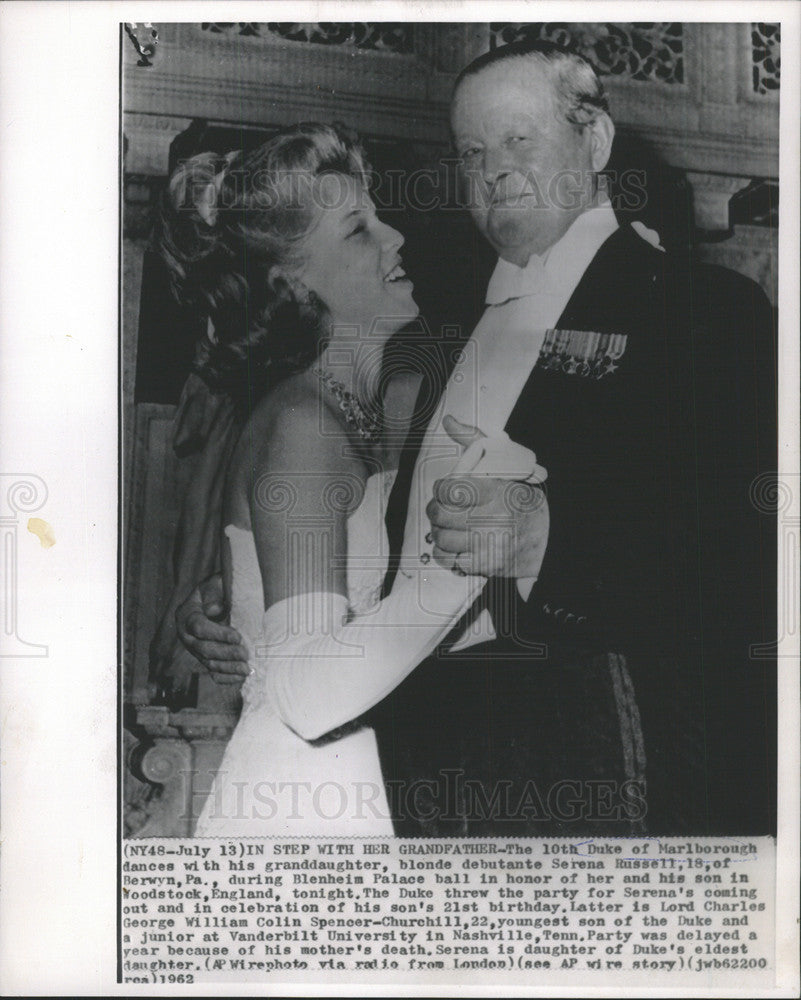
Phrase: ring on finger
(456, 568)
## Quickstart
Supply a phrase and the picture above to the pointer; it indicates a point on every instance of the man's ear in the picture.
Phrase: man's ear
(602, 132)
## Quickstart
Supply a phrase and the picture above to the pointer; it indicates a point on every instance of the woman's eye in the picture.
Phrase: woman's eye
(472, 151)
(360, 228)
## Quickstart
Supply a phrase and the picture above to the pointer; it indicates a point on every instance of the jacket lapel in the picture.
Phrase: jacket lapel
(602, 307)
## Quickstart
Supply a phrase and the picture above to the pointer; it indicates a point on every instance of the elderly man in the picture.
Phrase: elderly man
(645, 386)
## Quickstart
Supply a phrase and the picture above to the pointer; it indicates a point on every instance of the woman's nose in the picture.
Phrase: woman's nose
(391, 238)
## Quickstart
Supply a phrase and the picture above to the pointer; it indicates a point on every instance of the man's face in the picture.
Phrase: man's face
(528, 173)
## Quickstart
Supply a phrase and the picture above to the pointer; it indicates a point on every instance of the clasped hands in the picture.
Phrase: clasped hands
(481, 523)
(490, 516)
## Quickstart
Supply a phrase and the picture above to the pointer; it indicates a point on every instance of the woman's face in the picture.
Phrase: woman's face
(353, 263)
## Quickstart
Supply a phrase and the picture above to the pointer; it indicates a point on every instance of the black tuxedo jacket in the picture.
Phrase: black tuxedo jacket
(660, 552)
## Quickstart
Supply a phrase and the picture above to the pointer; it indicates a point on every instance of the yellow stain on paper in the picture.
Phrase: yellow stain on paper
(43, 531)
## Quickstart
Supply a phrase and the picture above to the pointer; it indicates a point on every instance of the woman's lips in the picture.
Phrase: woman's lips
(396, 274)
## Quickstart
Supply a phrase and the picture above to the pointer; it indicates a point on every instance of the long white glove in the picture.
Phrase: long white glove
(321, 673)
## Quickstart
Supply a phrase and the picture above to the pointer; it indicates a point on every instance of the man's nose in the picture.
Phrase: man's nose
(495, 164)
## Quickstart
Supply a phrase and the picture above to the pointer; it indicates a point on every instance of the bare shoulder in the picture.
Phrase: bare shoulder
(292, 451)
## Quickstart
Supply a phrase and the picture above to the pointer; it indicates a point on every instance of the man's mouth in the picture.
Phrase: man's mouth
(507, 200)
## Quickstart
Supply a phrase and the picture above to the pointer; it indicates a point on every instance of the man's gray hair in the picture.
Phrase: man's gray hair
(576, 83)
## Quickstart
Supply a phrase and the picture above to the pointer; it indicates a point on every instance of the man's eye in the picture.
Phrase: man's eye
(469, 153)
(516, 138)
(360, 228)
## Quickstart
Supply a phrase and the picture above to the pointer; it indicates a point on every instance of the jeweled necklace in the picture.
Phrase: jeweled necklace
(368, 428)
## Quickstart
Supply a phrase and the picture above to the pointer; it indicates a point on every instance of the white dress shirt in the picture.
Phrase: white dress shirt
(495, 364)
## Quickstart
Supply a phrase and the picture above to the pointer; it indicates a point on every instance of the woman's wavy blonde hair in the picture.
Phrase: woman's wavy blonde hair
(224, 223)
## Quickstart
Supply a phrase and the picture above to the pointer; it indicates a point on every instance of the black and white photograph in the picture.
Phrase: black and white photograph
(450, 399)
(443, 498)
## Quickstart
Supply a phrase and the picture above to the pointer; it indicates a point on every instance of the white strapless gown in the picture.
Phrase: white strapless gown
(272, 782)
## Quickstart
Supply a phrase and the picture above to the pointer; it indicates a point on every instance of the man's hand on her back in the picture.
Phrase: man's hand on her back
(200, 625)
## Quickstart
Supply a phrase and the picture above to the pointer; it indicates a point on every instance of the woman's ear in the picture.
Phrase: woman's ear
(285, 286)
(602, 132)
